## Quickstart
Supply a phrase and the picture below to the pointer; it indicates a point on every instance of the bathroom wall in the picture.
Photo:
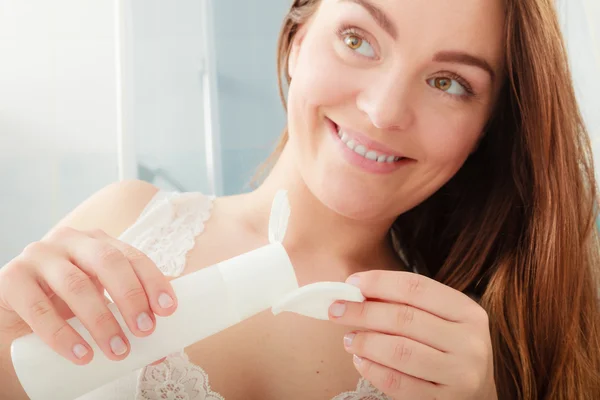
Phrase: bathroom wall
(57, 112)
(164, 69)
(251, 115)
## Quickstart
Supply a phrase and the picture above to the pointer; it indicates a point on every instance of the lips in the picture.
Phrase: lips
(365, 145)
(365, 153)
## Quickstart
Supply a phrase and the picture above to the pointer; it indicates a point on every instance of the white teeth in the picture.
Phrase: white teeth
(360, 149)
(363, 151)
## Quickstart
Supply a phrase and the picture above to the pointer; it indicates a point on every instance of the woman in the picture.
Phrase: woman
(421, 135)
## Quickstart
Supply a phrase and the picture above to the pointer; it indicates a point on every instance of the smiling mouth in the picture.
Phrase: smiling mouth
(364, 151)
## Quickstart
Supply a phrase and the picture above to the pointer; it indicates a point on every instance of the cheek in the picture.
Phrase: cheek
(444, 143)
(320, 79)
(448, 140)
(320, 82)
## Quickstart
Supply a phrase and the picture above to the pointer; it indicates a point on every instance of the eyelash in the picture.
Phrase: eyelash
(346, 29)
(463, 82)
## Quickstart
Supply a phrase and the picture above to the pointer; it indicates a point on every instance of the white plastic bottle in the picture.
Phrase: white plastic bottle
(209, 300)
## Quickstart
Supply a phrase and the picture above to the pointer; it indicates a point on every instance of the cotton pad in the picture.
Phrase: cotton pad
(315, 299)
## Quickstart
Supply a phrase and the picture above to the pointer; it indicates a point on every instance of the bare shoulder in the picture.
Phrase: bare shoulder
(113, 208)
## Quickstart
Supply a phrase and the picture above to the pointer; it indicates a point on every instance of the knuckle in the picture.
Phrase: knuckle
(76, 282)
(33, 250)
(14, 266)
(40, 309)
(15, 327)
(62, 232)
(96, 233)
(104, 319)
(413, 283)
(401, 353)
(392, 381)
(405, 315)
(107, 255)
(60, 333)
(133, 255)
(135, 294)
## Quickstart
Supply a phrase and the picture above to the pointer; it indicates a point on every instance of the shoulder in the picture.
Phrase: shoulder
(112, 209)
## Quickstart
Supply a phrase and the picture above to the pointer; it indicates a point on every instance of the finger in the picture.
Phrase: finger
(402, 354)
(101, 260)
(400, 319)
(59, 304)
(159, 291)
(80, 294)
(37, 311)
(394, 383)
(417, 291)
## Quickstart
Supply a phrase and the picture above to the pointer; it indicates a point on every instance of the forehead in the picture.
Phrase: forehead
(476, 26)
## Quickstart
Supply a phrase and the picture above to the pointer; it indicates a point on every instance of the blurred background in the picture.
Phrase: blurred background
(180, 93)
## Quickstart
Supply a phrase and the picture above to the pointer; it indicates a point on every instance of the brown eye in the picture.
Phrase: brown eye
(443, 83)
(353, 41)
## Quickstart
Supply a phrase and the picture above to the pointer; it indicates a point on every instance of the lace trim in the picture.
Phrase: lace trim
(181, 217)
(364, 391)
(176, 378)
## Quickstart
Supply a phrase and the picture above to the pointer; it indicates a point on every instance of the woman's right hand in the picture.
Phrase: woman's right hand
(64, 275)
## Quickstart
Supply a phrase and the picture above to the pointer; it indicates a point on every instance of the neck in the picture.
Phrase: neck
(317, 230)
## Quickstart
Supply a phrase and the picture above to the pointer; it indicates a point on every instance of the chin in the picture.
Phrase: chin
(339, 186)
(348, 197)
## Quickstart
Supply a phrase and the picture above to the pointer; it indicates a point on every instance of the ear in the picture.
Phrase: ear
(295, 50)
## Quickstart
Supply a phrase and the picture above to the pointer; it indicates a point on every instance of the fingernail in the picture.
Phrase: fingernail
(338, 309)
(118, 346)
(348, 338)
(356, 359)
(158, 361)
(353, 280)
(165, 301)
(144, 322)
(80, 351)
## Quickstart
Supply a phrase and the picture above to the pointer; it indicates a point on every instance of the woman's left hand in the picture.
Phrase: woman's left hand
(418, 338)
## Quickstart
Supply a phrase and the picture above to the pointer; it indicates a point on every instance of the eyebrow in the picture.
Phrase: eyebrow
(444, 56)
(377, 13)
(465, 58)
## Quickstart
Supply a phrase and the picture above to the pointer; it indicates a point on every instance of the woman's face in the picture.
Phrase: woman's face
(389, 97)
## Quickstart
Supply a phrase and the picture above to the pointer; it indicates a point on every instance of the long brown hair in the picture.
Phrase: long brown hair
(516, 224)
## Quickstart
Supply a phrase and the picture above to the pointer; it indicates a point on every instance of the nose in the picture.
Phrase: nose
(386, 101)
